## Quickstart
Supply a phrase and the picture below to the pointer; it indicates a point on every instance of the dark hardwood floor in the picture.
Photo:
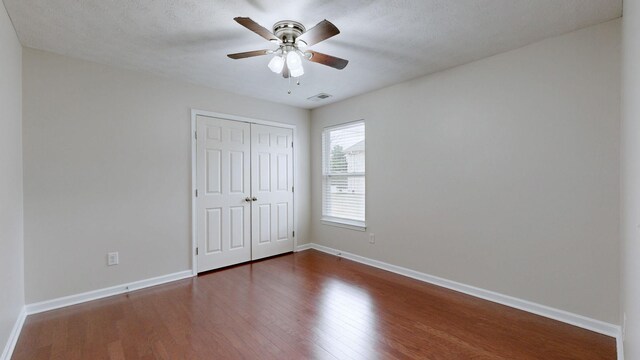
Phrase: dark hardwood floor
(307, 305)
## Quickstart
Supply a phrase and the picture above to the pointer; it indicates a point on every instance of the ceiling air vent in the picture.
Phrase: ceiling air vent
(319, 97)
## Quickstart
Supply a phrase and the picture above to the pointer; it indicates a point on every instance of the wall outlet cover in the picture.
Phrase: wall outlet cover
(112, 259)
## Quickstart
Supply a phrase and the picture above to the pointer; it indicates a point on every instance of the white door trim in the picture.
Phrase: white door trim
(194, 114)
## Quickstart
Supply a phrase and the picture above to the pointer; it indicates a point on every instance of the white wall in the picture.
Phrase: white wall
(630, 178)
(107, 166)
(11, 214)
(501, 174)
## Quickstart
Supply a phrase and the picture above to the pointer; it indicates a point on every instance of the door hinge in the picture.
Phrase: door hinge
(196, 192)
(292, 144)
(294, 234)
(195, 134)
(196, 251)
(292, 189)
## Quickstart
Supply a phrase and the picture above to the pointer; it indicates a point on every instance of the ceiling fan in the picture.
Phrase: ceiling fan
(293, 41)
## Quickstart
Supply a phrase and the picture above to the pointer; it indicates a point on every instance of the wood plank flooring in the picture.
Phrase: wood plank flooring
(307, 305)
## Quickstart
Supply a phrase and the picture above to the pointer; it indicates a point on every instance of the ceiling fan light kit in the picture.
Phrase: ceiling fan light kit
(292, 40)
(276, 64)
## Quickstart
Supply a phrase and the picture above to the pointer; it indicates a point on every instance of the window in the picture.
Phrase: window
(343, 175)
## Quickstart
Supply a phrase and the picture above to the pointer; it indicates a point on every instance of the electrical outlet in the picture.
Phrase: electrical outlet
(372, 238)
(112, 258)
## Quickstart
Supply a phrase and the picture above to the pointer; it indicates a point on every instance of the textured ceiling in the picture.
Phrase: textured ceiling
(386, 41)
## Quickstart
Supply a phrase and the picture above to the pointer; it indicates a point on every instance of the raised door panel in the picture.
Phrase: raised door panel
(283, 221)
(282, 172)
(213, 163)
(264, 223)
(264, 172)
(236, 228)
(213, 230)
(236, 172)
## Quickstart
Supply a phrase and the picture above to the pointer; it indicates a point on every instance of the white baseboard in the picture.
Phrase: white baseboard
(538, 309)
(13, 337)
(101, 293)
(542, 310)
(303, 247)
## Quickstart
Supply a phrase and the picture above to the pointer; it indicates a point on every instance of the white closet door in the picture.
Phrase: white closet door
(223, 204)
(272, 190)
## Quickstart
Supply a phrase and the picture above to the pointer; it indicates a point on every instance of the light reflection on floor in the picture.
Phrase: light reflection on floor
(347, 314)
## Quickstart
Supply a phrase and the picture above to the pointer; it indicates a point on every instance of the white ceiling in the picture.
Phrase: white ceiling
(386, 41)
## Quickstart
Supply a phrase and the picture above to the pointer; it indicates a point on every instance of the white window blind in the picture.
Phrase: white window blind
(343, 159)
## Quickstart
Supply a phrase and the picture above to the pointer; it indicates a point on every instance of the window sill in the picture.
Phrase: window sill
(346, 224)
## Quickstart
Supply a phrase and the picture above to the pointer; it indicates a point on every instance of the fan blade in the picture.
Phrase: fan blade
(324, 59)
(324, 30)
(248, 54)
(256, 28)
(285, 72)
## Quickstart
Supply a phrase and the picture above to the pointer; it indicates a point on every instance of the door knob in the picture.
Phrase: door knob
(254, 199)
(247, 199)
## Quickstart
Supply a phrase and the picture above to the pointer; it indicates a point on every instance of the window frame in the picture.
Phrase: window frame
(346, 223)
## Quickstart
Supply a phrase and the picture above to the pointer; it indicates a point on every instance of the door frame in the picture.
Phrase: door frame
(194, 225)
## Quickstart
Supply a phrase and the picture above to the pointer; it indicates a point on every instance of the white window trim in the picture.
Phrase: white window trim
(340, 222)
(344, 223)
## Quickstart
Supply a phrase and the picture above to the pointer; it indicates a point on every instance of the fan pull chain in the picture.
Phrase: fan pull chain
(297, 84)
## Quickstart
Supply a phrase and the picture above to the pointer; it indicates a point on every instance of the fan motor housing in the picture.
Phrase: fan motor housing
(288, 30)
